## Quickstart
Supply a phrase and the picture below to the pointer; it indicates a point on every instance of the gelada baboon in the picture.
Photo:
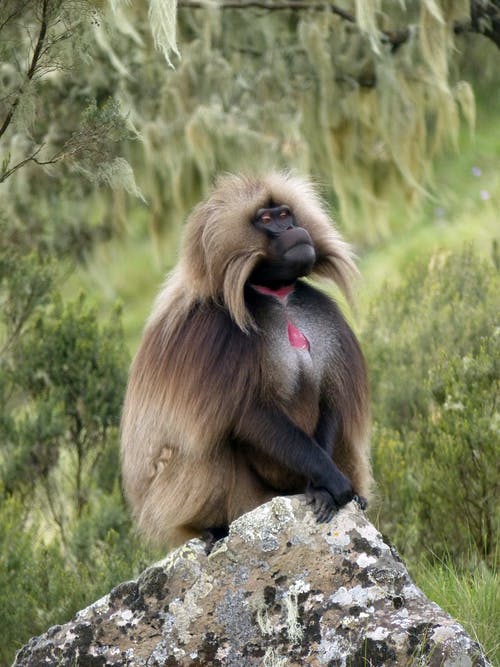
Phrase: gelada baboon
(248, 382)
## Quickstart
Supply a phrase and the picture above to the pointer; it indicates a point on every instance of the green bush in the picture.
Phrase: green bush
(65, 533)
(44, 583)
(433, 349)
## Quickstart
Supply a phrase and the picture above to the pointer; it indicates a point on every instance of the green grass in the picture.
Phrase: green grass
(472, 597)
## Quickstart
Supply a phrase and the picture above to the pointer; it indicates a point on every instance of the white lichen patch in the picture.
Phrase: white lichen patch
(273, 659)
(352, 622)
(130, 655)
(458, 645)
(411, 592)
(188, 555)
(364, 560)
(358, 596)
(163, 651)
(443, 633)
(299, 586)
(314, 600)
(124, 618)
(269, 624)
(100, 606)
(399, 638)
(265, 523)
(223, 652)
(337, 539)
(220, 549)
(378, 634)
(333, 648)
(343, 597)
(370, 533)
(402, 620)
(263, 621)
(346, 521)
(202, 587)
(459, 661)
(178, 653)
(69, 638)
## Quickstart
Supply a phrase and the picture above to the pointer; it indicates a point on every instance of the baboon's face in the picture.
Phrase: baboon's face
(290, 251)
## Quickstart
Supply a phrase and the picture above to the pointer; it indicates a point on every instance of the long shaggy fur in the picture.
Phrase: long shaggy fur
(202, 360)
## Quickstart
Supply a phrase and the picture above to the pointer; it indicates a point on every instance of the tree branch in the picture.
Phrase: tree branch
(17, 11)
(270, 5)
(33, 65)
(66, 151)
(485, 16)
(31, 158)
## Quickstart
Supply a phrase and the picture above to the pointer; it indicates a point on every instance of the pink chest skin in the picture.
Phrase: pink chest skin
(296, 338)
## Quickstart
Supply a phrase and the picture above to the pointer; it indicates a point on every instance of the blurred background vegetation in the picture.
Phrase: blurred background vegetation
(107, 140)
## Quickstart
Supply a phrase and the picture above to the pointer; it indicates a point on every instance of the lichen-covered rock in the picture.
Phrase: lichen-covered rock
(280, 591)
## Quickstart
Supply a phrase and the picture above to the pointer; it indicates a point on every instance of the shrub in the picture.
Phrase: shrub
(65, 534)
(433, 349)
(44, 583)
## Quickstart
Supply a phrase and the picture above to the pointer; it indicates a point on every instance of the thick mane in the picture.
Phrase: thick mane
(220, 248)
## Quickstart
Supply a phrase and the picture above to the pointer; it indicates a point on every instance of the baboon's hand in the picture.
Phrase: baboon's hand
(322, 503)
(361, 500)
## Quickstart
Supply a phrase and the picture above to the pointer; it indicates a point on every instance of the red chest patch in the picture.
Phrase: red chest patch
(296, 338)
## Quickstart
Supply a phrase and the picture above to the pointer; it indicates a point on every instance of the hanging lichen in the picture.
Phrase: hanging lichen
(361, 101)
(313, 92)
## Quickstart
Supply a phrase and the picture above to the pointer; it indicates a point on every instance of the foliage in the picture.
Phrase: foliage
(308, 90)
(433, 347)
(472, 597)
(62, 378)
(71, 374)
(65, 535)
(53, 127)
(43, 584)
(361, 98)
